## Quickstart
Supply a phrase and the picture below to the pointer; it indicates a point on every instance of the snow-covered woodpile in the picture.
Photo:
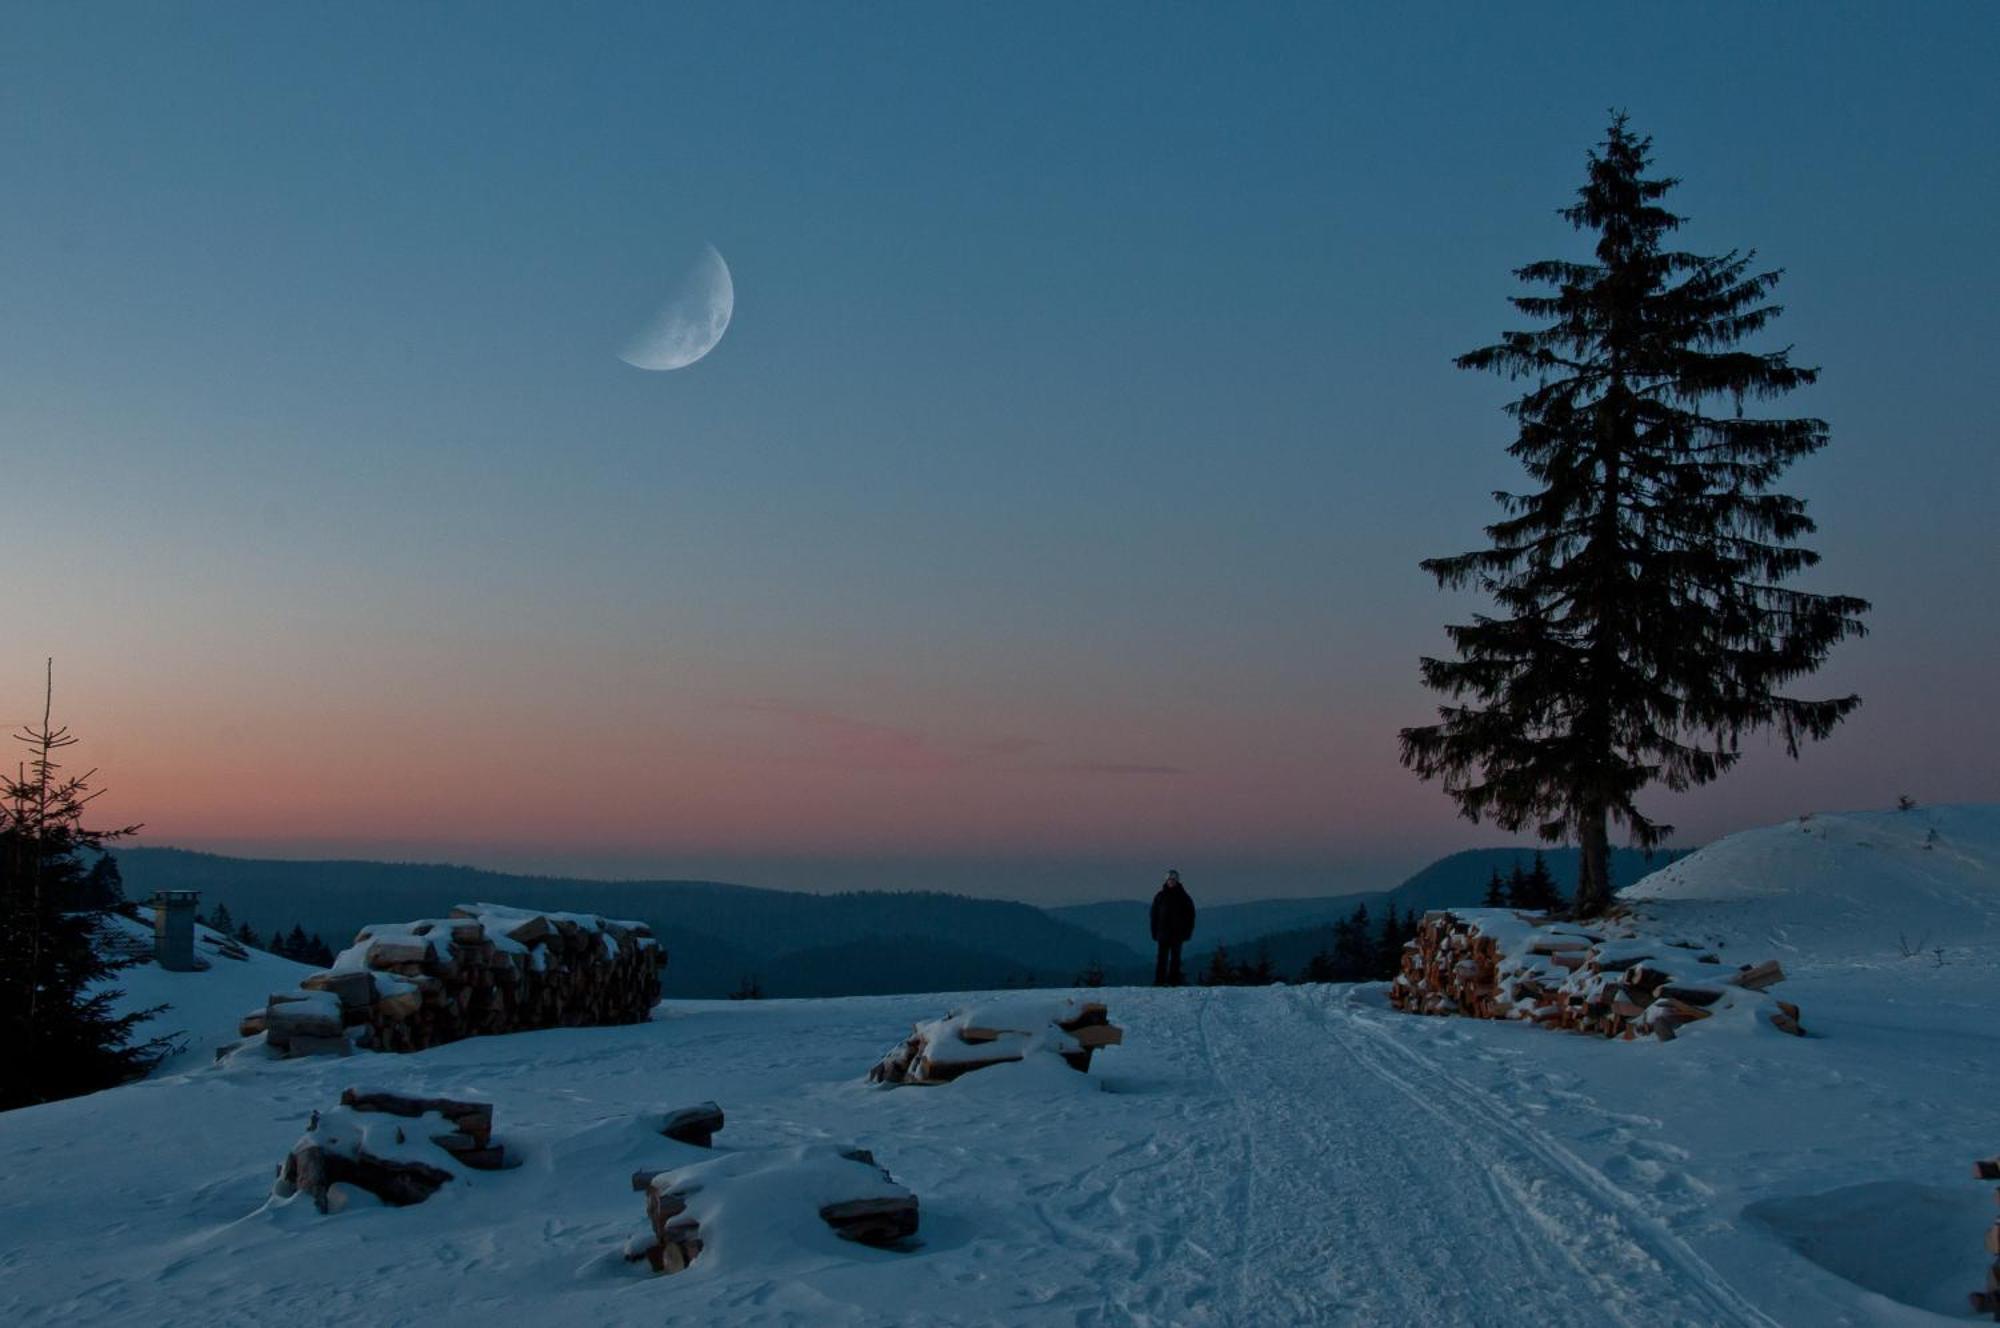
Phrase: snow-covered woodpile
(1609, 979)
(764, 1191)
(995, 1032)
(399, 1149)
(1988, 1301)
(484, 969)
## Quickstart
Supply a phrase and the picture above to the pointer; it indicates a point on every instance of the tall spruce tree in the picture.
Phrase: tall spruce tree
(60, 1034)
(1643, 626)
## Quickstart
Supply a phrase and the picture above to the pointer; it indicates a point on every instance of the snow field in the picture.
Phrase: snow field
(1249, 1156)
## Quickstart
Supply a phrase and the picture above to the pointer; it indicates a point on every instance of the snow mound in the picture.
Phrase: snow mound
(773, 1205)
(1842, 888)
(1899, 1239)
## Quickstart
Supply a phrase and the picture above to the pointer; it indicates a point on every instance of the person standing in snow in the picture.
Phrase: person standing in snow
(1173, 923)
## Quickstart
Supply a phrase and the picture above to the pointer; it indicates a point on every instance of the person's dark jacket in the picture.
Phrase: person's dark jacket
(1173, 914)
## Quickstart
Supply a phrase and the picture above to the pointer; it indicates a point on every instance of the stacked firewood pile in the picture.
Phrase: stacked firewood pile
(399, 1149)
(853, 1194)
(1988, 1301)
(941, 1050)
(1610, 980)
(485, 969)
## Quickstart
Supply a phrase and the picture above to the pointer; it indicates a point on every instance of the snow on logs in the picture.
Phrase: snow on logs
(1988, 1301)
(399, 1149)
(485, 969)
(1611, 979)
(763, 1191)
(973, 1038)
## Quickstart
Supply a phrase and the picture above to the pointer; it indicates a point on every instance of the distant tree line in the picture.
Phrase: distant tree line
(1356, 951)
(1534, 889)
(297, 944)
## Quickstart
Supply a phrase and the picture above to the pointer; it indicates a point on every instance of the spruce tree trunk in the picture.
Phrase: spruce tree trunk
(1593, 885)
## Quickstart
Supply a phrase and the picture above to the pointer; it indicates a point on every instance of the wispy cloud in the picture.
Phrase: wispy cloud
(808, 733)
(823, 735)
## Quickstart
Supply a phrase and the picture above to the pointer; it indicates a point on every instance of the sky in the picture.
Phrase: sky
(1049, 514)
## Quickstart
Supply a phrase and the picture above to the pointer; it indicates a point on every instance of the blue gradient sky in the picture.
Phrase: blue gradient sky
(1050, 513)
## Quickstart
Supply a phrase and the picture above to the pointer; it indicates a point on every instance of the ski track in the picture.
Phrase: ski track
(1402, 1194)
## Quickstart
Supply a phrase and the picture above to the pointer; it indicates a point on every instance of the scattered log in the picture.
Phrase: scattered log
(873, 1221)
(693, 1125)
(880, 1212)
(1756, 977)
(473, 1119)
(1005, 1031)
(336, 1148)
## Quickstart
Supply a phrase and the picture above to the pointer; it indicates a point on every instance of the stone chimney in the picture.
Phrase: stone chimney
(173, 929)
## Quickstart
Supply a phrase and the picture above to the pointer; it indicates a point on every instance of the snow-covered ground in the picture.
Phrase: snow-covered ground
(203, 1007)
(1248, 1156)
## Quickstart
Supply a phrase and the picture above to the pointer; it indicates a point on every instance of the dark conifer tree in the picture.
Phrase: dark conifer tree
(1262, 972)
(246, 934)
(1220, 972)
(103, 885)
(1354, 946)
(59, 1035)
(1643, 626)
(1496, 894)
(222, 920)
(1389, 952)
(1542, 887)
(1517, 888)
(295, 945)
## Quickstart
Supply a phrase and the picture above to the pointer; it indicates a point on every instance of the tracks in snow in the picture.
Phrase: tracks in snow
(1333, 1175)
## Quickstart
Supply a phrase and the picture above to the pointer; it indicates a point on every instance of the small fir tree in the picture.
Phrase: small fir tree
(1496, 893)
(1643, 624)
(59, 1035)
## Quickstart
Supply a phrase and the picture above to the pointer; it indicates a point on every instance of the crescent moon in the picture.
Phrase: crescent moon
(691, 321)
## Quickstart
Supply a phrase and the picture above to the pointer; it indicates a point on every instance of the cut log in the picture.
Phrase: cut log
(693, 1125)
(1098, 1035)
(873, 1221)
(475, 1119)
(1756, 977)
(356, 990)
(398, 1183)
(1688, 995)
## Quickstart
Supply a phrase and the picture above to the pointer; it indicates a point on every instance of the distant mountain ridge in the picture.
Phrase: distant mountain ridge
(791, 943)
(716, 934)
